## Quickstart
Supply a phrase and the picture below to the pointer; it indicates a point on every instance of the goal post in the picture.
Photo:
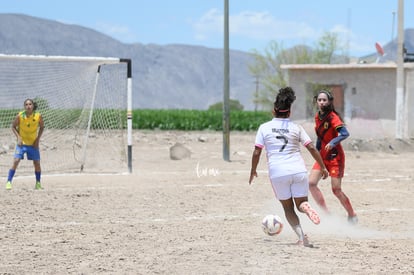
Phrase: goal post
(86, 104)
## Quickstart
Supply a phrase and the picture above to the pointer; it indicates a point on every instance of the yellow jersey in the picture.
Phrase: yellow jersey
(28, 127)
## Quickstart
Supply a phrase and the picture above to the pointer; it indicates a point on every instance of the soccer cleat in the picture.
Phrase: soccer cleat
(312, 214)
(38, 186)
(8, 185)
(353, 220)
(305, 242)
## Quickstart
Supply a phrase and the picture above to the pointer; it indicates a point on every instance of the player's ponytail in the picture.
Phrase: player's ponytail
(283, 102)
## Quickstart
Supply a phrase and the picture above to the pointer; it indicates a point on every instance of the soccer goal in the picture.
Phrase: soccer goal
(86, 104)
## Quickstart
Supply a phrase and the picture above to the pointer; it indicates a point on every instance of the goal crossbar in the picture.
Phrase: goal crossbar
(24, 86)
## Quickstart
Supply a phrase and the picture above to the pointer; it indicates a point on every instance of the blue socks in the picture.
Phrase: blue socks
(38, 175)
(12, 172)
(11, 175)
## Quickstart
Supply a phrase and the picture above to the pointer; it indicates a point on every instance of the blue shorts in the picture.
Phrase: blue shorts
(31, 152)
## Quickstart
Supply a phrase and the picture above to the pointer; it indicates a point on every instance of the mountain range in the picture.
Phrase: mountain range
(163, 77)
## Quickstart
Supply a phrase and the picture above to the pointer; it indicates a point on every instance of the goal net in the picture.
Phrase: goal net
(85, 104)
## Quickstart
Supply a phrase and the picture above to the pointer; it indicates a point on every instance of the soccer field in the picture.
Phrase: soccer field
(200, 216)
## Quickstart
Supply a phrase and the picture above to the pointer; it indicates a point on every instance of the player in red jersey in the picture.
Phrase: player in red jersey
(330, 130)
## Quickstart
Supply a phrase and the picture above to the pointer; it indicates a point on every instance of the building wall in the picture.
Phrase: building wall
(369, 89)
(409, 89)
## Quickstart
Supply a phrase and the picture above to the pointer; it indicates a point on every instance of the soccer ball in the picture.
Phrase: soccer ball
(272, 225)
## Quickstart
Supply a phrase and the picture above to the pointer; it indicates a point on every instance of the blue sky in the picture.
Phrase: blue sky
(253, 23)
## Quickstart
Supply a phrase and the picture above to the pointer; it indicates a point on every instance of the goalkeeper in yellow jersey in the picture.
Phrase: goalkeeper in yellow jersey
(28, 128)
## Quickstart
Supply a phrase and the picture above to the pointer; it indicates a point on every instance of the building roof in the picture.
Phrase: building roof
(353, 66)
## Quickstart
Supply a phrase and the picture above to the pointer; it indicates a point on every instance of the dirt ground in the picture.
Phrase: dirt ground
(200, 216)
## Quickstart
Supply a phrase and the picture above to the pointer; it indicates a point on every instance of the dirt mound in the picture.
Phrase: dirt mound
(379, 145)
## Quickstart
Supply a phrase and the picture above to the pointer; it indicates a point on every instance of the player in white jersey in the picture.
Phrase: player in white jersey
(282, 139)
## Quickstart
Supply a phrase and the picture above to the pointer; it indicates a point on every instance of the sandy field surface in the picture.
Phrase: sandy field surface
(199, 215)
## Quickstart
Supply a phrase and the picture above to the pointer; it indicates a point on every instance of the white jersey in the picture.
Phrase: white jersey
(282, 138)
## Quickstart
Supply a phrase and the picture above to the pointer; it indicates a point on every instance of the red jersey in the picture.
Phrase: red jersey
(326, 130)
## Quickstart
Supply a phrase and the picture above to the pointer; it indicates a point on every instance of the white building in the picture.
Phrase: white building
(365, 91)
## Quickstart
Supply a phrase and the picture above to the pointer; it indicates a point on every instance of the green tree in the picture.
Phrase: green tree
(266, 66)
(325, 48)
(234, 105)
